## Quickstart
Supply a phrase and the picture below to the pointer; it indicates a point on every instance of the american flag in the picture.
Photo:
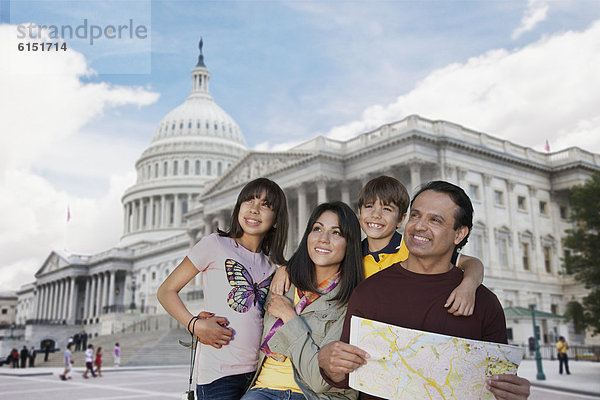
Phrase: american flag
(68, 213)
(547, 146)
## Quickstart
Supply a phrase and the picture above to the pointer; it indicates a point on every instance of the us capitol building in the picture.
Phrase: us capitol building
(197, 162)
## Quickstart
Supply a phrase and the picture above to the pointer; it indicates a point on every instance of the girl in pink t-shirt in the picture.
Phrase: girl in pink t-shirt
(236, 267)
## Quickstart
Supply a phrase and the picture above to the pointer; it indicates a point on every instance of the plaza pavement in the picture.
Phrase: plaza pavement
(169, 382)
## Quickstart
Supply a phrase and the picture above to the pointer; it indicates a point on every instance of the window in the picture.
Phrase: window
(148, 172)
(198, 125)
(208, 168)
(181, 125)
(175, 167)
(521, 203)
(186, 167)
(153, 275)
(4, 311)
(498, 198)
(165, 168)
(156, 170)
(503, 251)
(548, 259)
(476, 241)
(554, 308)
(153, 214)
(543, 208)
(143, 277)
(173, 127)
(525, 247)
(509, 334)
(144, 212)
(197, 167)
(474, 192)
(563, 212)
(184, 209)
(219, 168)
(189, 125)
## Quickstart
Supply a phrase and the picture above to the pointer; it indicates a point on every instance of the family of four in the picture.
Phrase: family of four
(291, 342)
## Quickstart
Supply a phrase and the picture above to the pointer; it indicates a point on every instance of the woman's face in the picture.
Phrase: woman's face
(326, 245)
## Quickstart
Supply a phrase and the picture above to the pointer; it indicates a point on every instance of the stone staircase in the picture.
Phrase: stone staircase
(154, 347)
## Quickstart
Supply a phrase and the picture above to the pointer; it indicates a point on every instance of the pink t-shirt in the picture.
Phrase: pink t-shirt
(235, 282)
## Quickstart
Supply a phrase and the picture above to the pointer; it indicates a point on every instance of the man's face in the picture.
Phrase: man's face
(378, 220)
(429, 231)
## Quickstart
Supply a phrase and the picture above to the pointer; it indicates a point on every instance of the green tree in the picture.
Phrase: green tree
(583, 259)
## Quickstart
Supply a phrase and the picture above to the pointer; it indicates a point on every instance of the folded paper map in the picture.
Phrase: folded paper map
(411, 364)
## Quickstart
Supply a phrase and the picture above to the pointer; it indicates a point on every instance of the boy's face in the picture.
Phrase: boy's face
(378, 220)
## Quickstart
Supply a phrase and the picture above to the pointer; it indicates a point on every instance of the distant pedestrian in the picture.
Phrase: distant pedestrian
(117, 355)
(68, 363)
(89, 361)
(24, 354)
(31, 357)
(98, 360)
(77, 341)
(84, 338)
(46, 352)
(563, 358)
(14, 358)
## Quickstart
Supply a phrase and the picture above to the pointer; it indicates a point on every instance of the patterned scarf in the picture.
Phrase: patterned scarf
(305, 299)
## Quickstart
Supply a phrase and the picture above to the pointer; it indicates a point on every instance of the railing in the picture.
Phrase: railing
(40, 321)
(548, 351)
(115, 308)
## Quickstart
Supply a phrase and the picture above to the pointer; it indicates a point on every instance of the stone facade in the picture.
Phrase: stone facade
(520, 197)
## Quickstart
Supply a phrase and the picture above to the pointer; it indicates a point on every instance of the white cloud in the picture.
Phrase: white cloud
(537, 11)
(44, 107)
(548, 89)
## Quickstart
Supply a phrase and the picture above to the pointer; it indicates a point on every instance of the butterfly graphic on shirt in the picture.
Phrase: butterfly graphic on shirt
(245, 293)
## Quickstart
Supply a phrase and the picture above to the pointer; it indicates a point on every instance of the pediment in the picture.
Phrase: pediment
(255, 165)
(53, 262)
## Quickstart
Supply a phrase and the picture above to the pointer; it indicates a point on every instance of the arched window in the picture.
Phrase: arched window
(197, 168)
(219, 168)
(175, 167)
(186, 167)
(156, 170)
(208, 168)
(165, 168)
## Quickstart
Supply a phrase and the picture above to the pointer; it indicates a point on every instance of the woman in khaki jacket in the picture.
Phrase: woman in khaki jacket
(323, 271)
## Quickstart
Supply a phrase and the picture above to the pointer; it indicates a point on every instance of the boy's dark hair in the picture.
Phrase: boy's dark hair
(301, 268)
(464, 213)
(69, 345)
(273, 244)
(387, 189)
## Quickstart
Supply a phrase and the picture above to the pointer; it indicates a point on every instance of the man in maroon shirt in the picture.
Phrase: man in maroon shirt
(412, 293)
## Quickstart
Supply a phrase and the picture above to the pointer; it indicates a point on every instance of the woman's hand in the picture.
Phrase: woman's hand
(281, 307)
(281, 281)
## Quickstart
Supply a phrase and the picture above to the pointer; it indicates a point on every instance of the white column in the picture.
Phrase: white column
(86, 302)
(152, 220)
(97, 292)
(45, 302)
(125, 218)
(302, 210)
(163, 211)
(321, 191)
(176, 211)
(103, 293)
(62, 296)
(111, 288)
(415, 176)
(52, 300)
(345, 189)
(71, 315)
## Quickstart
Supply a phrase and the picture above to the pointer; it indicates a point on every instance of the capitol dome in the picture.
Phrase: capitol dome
(192, 145)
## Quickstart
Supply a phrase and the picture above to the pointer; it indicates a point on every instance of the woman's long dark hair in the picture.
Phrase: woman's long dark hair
(273, 244)
(301, 268)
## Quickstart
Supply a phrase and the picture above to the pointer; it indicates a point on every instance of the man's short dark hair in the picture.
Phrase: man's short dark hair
(463, 215)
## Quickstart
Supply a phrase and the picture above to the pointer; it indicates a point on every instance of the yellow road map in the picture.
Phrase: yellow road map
(411, 364)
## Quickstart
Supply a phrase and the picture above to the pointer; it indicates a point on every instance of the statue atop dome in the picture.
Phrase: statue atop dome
(201, 56)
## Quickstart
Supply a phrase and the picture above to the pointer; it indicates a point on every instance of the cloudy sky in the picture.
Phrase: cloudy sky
(74, 122)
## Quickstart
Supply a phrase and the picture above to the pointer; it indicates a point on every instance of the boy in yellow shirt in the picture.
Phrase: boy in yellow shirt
(383, 203)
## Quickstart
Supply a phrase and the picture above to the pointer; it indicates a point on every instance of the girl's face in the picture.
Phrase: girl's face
(326, 245)
(256, 217)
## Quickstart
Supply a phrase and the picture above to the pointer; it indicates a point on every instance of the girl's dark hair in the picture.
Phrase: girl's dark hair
(301, 268)
(273, 244)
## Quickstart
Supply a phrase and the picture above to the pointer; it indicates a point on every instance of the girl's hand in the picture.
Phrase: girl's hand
(281, 281)
(205, 314)
(462, 299)
(281, 307)
(213, 331)
(508, 387)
